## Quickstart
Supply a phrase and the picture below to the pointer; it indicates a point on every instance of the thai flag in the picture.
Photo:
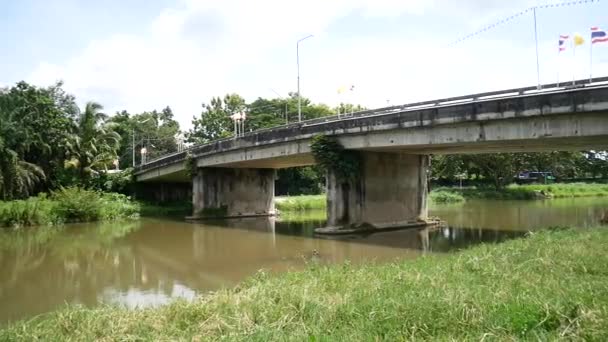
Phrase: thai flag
(562, 42)
(598, 36)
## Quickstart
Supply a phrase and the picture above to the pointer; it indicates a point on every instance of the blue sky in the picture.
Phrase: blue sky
(143, 55)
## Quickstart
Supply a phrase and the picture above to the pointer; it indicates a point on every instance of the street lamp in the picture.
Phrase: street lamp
(298, 63)
(133, 136)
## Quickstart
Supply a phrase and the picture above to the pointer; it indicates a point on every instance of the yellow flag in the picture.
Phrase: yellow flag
(578, 40)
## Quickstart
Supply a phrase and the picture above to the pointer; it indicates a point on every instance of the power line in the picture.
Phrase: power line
(517, 15)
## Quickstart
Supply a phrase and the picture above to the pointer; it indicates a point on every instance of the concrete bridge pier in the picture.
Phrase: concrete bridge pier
(391, 191)
(232, 192)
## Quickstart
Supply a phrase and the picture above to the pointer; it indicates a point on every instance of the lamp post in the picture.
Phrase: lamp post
(133, 136)
(298, 63)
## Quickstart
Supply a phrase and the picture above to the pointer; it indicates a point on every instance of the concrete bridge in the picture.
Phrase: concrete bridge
(235, 177)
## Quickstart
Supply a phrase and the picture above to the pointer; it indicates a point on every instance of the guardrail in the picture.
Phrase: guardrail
(531, 90)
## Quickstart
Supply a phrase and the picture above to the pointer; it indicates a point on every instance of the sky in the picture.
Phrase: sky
(140, 55)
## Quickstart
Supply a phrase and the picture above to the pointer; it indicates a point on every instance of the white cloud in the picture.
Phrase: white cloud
(201, 49)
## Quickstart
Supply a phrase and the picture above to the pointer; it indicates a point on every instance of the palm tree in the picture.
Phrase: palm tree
(94, 144)
(18, 178)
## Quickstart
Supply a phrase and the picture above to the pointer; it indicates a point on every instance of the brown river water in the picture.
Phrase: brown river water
(153, 261)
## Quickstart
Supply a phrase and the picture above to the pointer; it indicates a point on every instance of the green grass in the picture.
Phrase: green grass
(530, 191)
(443, 196)
(303, 202)
(548, 286)
(67, 205)
(292, 204)
(560, 190)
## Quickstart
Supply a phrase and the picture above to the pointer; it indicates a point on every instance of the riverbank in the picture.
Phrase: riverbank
(300, 203)
(67, 205)
(287, 204)
(530, 191)
(549, 285)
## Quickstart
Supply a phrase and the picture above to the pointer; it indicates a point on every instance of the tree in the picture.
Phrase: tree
(35, 126)
(214, 122)
(157, 131)
(95, 143)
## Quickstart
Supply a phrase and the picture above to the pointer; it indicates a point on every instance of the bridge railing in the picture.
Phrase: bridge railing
(531, 90)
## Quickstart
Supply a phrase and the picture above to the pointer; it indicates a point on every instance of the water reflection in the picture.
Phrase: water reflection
(152, 261)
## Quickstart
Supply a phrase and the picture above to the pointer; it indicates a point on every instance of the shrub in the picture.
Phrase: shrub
(443, 196)
(32, 211)
(67, 205)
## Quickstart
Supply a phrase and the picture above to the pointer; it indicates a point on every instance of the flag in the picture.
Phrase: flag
(562, 42)
(578, 40)
(598, 36)
(342, 89)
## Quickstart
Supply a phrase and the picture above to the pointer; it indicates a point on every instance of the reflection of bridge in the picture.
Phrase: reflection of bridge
(235, 177)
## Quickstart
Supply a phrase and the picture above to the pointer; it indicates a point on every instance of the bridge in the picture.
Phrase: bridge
(235, 177)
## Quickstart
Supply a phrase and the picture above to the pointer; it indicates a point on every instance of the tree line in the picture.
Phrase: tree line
(47, 142)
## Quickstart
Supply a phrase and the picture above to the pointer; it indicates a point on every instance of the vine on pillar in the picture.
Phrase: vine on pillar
(190, 165)
(331, 155)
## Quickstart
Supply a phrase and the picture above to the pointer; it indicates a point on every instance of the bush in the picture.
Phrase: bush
(444, 196)
(30, 212)
(67, 205)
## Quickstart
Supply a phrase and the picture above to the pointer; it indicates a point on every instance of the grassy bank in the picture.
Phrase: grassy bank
(291, 204)
(303, 202)
(529, 191)
(66, 205)
(550, 285)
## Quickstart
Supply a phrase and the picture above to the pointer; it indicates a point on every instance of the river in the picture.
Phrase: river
(153, 261)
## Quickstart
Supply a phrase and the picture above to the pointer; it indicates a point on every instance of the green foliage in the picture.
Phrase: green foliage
(34, 135)
(528, 191)
(305, 180)
(67, 205)
(547, 286)
(80, 205)
(501, 168)
(95, 144)
(29, 212)
(442, 196)
(190, 165)
(214, 122)
(331, 155)
(300, 203)
(157, 131)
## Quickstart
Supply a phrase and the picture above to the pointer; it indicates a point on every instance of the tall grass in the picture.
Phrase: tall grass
(67, 205)
(304, 202)
(548, 286)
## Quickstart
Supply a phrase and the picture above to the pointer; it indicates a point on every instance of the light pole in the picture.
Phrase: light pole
(133, 135)
(298, 63)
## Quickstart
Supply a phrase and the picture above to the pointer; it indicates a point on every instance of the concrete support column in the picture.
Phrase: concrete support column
(391, 191)
(224, 192)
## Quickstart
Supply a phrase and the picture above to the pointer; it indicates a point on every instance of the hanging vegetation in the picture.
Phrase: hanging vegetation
(331, 155)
